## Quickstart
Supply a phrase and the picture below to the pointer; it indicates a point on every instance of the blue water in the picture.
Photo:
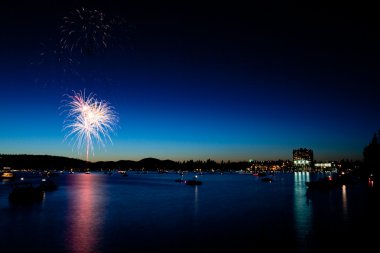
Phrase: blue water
(152, 213)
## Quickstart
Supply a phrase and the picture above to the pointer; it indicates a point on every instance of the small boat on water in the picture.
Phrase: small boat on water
(7, 174)
(194, 181)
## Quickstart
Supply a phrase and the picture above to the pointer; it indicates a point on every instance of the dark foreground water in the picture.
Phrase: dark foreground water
(227, 213)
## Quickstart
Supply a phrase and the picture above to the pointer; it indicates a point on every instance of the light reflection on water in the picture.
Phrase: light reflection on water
(344, 202)
(84, 221)
(302, 208)
(196, 222)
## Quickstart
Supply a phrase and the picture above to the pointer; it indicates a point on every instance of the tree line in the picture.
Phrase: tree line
(47, 162)
(371, 156)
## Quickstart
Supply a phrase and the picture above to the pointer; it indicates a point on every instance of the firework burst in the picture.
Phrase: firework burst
(85, 30)
(89, 31)
(88, 121)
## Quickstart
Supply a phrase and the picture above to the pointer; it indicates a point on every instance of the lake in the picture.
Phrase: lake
(153, 213)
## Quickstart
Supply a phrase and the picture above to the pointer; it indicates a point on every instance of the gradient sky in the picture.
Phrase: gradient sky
(197, 81)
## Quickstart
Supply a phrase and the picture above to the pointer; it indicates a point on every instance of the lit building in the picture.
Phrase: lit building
(326, 166)
(303, 158)
(323, 166)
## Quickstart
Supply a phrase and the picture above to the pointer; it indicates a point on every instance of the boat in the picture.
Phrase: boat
(25, 192)
(7, 174)
(194, 181)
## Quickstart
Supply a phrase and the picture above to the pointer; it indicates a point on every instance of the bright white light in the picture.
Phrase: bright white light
(89, 120)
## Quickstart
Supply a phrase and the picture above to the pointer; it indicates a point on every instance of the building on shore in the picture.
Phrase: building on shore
(303, 159)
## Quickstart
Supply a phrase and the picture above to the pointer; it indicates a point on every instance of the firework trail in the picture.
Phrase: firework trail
(88, 121)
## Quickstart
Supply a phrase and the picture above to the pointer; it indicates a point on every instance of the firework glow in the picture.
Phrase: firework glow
(88, 121)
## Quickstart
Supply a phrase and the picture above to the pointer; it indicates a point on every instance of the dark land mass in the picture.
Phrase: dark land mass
(47, 162)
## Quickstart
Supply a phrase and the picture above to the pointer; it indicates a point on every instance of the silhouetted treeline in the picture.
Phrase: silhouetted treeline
(46, 162)
(154, 164)
(371, 156)
(40, 162)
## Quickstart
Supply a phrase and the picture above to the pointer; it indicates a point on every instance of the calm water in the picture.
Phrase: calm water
(152, 213)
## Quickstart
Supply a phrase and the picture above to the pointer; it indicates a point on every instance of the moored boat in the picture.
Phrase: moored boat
(194, 181)
(7, 174)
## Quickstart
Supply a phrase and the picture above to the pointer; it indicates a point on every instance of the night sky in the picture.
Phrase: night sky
(196, 81)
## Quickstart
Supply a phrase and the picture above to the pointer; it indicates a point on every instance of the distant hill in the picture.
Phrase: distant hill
(47, 162)
(40, 162)
(143, 164)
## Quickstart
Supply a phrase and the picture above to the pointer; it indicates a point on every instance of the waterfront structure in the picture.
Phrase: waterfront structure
(323, 166)
(327, 166)
(7, 173)
(303, 159)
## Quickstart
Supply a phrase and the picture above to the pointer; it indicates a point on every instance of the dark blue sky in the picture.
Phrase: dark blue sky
(197, 81)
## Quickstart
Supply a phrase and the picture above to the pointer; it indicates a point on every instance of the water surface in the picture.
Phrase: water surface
(151, 212)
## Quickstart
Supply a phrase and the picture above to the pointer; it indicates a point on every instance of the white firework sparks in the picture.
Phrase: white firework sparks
(85, 30)
(88, 121)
